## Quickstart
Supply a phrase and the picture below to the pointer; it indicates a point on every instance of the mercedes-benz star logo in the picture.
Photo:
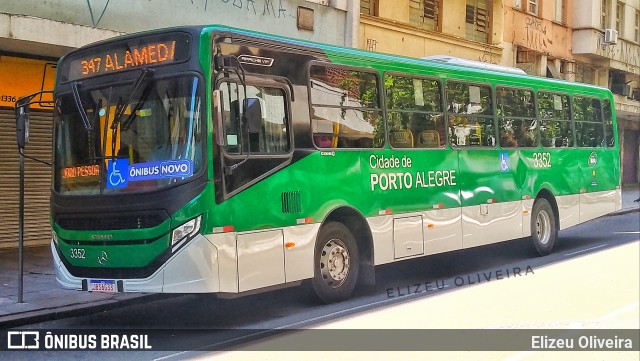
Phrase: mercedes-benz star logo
(103, 258)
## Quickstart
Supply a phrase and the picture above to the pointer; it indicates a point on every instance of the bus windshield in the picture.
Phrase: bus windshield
(131, 143)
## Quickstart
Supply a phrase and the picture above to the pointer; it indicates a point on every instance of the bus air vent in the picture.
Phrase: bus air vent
(291, 202)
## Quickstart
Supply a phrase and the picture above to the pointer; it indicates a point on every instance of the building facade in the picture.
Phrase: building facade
(34, 34)
(606, 49)
(590, 41)
(470, 29)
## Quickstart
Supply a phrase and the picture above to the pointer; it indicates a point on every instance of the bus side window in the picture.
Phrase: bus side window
(516, 117)
(608, 123)
(345, 107)
(271, 135)
(556, 129)
(470, 115)
(415, 116)
(588, 122)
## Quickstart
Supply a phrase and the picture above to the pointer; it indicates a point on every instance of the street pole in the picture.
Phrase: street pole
(21, 230)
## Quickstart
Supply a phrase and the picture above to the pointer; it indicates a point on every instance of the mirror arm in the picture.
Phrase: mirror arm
(21, 151)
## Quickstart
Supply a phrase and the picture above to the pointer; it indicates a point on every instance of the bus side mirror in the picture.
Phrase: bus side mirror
(253, 114)
(22, 125)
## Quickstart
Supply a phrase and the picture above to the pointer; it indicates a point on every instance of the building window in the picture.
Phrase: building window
(620, 17)
(533, 7)
(636, 32)
(477, 20)
(558, 11)
(617, 83)
(369, 7)
(424, 14)
(604, 14)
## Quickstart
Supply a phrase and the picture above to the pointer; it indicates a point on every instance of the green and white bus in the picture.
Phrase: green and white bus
(209, 159)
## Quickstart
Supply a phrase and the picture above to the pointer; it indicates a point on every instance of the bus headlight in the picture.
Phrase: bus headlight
(185, 232)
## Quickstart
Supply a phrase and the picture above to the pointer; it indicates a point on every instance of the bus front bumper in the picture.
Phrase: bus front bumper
(193, 269)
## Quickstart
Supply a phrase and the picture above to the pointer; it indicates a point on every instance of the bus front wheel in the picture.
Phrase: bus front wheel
(544, 231)
(336, 263)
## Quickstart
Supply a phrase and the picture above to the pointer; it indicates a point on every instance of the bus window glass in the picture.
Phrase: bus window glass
(470, 115)
(345, 108)
(608, 123)
(587, 113)
(553, 106)
(589, 134)
(555, 122)
(587, 109)
(273, 137)
(556, 134)
(162, 126)
(516, 117)
(415, 112)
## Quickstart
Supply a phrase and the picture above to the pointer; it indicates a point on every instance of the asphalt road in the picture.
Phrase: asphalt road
(203, 323)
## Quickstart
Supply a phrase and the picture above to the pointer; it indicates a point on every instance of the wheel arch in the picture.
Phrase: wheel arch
(358, 226)
(548, 195)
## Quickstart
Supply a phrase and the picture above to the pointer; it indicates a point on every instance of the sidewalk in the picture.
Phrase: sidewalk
(43, 299)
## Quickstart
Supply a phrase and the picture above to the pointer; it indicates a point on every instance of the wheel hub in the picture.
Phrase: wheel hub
(334, 263)
(543, 227)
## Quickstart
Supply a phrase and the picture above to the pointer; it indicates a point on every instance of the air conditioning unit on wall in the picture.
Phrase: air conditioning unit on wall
(610, 36)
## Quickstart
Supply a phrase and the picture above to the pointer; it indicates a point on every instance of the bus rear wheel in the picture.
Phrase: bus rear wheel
(336, 263)
(544, 230)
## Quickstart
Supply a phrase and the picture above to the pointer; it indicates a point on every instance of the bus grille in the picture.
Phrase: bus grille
(291, 202)
(103, 222)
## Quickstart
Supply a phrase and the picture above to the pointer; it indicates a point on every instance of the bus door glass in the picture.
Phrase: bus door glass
(251, 151)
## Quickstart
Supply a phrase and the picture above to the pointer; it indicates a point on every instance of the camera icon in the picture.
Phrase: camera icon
(23, 340)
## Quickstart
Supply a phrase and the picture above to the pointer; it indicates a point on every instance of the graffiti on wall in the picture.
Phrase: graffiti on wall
(623, 51)
(537, 37)
(270, 8)
(488, 56)
(372, 44)
(97, 10)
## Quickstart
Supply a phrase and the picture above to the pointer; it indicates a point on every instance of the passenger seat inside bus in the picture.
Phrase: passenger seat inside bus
(401, 138)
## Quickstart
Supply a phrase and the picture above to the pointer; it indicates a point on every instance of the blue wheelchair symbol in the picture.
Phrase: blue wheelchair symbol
(117, 170)
(504, 162)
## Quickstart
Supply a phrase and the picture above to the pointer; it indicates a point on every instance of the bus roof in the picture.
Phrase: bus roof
(438, 62)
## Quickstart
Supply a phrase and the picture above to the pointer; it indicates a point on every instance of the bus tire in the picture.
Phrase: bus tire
(336, 263)
(544, 230)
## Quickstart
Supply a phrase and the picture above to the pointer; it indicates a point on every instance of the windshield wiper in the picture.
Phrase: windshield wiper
(144, 78)
(81, 110)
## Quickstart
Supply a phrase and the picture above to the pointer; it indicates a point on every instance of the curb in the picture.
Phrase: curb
(56, 313)
(624, 211)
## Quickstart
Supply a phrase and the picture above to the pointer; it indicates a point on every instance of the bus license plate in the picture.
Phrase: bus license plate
(102, 286)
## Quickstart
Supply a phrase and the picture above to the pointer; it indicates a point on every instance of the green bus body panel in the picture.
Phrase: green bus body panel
(344, 178)
(146, 245)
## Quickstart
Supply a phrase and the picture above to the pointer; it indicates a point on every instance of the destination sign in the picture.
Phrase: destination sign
(81, 171)
(125, 55)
